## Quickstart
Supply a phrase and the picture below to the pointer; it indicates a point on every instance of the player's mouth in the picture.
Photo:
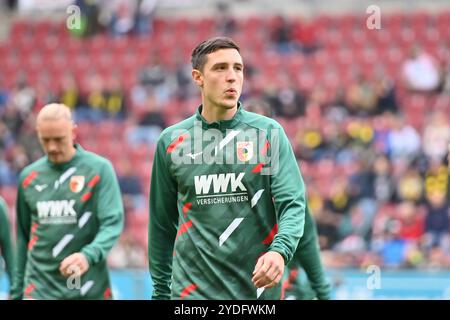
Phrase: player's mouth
(231, 92)
(54, 156)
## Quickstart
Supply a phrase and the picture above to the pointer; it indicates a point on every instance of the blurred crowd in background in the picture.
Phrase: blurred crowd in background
(367, 113)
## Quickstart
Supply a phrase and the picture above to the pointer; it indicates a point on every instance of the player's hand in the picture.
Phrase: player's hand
(75, 263)
(268, 270)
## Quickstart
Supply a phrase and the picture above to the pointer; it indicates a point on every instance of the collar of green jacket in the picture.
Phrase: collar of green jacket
(221, 124)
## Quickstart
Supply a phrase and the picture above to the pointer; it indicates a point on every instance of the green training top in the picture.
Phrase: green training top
(222, 194)
(6, 250)
(63, 209)
(307, 257)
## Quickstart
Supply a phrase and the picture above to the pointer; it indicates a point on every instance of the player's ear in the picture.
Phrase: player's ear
(74, 130)
(197, 76)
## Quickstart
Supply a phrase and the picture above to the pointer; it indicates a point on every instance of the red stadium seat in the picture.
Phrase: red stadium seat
(19, 28)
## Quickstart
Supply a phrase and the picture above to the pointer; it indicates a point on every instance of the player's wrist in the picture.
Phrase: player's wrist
(281, 253)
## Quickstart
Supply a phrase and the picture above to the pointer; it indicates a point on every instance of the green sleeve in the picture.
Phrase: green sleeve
(110, 215)
(5, 239)
(307, 256)
(163, 223)
(288, 192)
(23, 226)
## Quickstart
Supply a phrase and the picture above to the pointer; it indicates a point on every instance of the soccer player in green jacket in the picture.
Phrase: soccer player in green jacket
(6, 250)
(69, 215)
(227, 200)
(312, 283)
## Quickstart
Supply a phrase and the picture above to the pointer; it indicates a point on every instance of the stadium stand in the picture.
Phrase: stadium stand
(360, 133)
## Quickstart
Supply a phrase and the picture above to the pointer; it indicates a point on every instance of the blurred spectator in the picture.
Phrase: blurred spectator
(130, 185)
(114, 94)
(335, 142)
(23, 96)
(339, 199)
(282, 35)
(258, 106)
(360, 132)
(185, 87)
(18, 159)
(94, 102)
(144, 17)
(436, 178)
(69, 93)
(438, 258)
(127, 253)
(3, 95)
(305, 35)
(11, 4)
(89, 17)
(410, 186)
(225, 22)
(290, 103)
(45, 91)
(154, 75)
(6, 138)
(327, 228)
(421, 72)
(385, 90)
(309, 142)
(383, 181)
(29, 140)
(356, 228)
(361, 184)
(437, 222)
(382, 127)
(436, 136)
(149, 124)
(411, 222)
(404, 140)
(8, 176)
(391, 247)
(12, 118)
(123, 17)
(361, 97)
(102, 100)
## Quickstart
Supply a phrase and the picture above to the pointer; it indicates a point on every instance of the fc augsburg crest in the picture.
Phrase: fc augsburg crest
(244, 150)
(76, 183)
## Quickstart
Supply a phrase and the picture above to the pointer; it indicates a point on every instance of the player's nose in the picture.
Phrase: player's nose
(51, 147)
(231, 75)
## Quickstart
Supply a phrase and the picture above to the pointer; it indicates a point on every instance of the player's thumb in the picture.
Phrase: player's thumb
(67, 261)
(259, 263)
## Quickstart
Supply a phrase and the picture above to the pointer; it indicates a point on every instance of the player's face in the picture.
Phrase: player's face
(56, 138)
(221, 78)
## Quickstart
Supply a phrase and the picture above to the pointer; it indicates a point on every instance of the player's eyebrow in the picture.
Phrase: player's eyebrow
(52, 138)
(222, 64)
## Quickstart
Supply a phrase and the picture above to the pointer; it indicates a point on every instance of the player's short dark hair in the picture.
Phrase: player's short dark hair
(198, 57)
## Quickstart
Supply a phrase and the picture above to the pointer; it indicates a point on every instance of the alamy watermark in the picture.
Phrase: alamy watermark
(374, 279)
(73, 21)
(374, 19)
(74, 280)
(212, 146)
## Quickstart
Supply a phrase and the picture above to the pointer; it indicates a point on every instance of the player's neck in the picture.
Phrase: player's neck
(73, 152)
(213, 113)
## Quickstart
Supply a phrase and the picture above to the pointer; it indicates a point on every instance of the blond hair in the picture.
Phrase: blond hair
(54, 111)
